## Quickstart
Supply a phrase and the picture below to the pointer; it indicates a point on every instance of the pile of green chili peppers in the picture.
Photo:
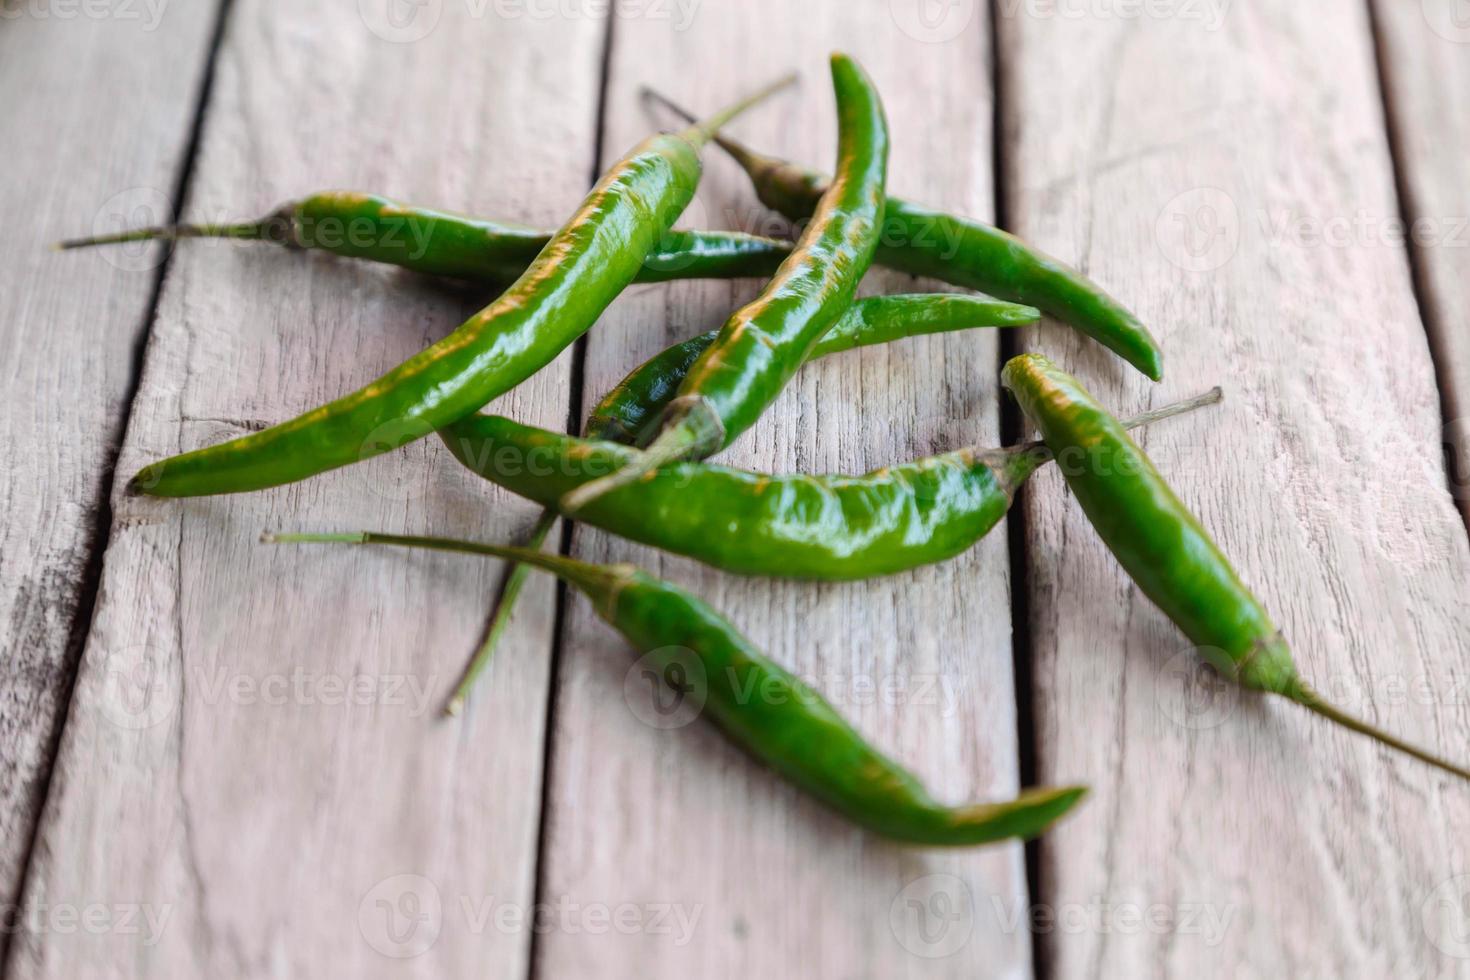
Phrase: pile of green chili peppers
(638, 470)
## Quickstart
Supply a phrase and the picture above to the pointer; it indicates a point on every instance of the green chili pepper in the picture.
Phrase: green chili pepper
(574, 278)
(625, 412)
(1163, 547)
(789, 526)
(440, 243)
(761, 346)
(787, 725)
(964, 252)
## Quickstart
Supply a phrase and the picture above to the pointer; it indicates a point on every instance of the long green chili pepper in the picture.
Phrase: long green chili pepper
(563, 292)
(787, 725)
(626, 411)
(963, 252)
(761, 346)
(788, 526)
(440, 243)
(1163, 547)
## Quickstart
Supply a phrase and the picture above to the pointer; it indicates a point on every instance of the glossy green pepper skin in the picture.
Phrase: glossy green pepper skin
(456, 246)
(1163, 547)
(762, 344)
(574, 278)
(629, 410)
(796, 526)
(964, 252)
(787, 725)
(789, 526)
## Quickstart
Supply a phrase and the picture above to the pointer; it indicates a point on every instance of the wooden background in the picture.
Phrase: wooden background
(225, 760)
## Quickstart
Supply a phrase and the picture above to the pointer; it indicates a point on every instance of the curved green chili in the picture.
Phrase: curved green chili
(626, 411)
(787, 725)
(574, 278)
(455, 246)
(761, 346)
(964, 252)
(789, 526)
(1163, 547)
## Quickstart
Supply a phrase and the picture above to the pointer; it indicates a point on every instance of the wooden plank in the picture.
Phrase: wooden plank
(1208, 162)
(80, 149)
(720, 867)
(253, 757)
(1425, 60)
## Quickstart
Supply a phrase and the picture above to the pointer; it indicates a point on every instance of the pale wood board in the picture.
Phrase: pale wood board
(770, 883)
(80, 149)
(1424, 51)
(277, 828)
(1315, 852)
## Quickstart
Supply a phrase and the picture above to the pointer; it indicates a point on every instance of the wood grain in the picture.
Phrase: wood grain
(1211, 172)
(767, 882)
(80, 150)
(254, 756)
(1424, 51)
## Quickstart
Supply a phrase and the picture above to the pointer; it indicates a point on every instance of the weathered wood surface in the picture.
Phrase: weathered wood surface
(1232, 177)
(252, 755)
(81, 151)
(1425, 59)
(769, 883)
(251, 780)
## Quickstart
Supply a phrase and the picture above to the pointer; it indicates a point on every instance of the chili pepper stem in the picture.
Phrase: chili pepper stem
(702, 131)
(742, 154)
(672, 445)
(1302, 693)
(515, 580)
(264, 229)
(1027, 457)
(596, 579)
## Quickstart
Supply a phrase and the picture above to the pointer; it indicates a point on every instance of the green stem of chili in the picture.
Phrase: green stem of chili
(787, 726)
(585, 266)
(959, 250)
(515, 581)
(1164, 548)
